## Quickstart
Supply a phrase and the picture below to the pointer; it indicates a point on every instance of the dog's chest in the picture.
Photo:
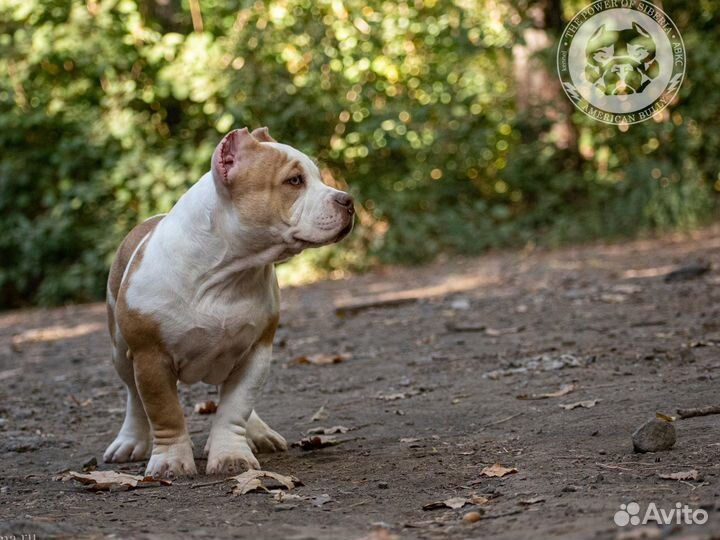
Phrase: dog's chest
(207, 348)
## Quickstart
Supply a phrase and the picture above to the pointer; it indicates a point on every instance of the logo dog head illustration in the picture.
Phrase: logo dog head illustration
(621, 62)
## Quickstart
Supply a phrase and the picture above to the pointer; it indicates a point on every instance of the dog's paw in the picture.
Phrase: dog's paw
(230, 457)
(171, 461)
(264, 439)
(128, 447)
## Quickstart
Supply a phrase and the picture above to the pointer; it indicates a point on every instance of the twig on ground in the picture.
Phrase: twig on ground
(380, 301)
(698, 411)
(206, 484)
(608, 466)
(501, 421)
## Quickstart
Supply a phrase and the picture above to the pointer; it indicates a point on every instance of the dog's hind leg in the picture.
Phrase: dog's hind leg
(133, 442)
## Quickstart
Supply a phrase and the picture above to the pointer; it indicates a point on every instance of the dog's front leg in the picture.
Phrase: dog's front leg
(228, 446)
(157, 385)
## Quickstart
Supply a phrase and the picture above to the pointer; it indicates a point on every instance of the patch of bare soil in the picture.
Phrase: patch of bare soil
(506, 387)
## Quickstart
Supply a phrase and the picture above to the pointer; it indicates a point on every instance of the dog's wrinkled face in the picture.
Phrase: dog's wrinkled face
(277, 192)
(621, 62)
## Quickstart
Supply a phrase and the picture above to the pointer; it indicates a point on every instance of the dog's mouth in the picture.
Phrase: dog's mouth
(311, 243)
(344, 232)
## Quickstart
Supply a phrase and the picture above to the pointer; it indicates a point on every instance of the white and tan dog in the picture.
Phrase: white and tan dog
(192, 296)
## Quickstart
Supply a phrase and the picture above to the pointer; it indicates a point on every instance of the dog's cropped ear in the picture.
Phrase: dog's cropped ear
(262, 134)
(640, 30)
(227, 156)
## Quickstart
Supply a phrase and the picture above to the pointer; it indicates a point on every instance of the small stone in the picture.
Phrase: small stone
(654, 436)
(472, 517)
(460, 304)
(383, 485)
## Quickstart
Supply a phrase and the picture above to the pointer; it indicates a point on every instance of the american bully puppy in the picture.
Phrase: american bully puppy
(192, 296)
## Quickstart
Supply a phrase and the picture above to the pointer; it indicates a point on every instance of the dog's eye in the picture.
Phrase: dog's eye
(296, 180)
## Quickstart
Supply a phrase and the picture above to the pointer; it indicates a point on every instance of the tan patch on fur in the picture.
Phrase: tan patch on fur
(268, 333)
(139, 330)
(257, 187)
(125, 251)
(121, 260)
(154, 376)
(266, 338)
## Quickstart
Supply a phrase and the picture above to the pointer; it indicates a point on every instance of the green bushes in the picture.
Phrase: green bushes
(111, 110)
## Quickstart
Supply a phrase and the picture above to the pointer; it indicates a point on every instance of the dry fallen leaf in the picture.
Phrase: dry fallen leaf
(584, 404)
(456, 502)
(392, 397)
(206, 407)
(115, 481)
(62, 476)
(313, 442)
(498, 470)
(558, 393)
(322, 359)
(320, 500)
(83, 403)
(327, 430)
(283, 496)
(683, 475)
(453, 502)
(397, 395)
(252, 480)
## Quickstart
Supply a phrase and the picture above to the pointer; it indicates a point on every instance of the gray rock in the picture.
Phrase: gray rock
(654, 436)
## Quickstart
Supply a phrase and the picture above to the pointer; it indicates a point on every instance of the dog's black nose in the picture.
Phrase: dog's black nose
(344, 200)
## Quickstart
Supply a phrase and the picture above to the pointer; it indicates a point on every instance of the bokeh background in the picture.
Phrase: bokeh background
(445, 119)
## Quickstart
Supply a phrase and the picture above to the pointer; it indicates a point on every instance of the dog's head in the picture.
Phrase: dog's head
(276, 194)
(621, 62)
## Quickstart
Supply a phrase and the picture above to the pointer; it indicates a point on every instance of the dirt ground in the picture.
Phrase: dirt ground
(430, 392)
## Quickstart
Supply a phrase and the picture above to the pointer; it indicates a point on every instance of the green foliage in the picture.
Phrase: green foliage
(111, 109)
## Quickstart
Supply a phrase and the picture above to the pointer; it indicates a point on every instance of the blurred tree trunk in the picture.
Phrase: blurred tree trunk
(539, 94)
(167, 13)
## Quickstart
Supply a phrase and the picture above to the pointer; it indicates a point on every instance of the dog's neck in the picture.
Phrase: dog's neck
(203, 228)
